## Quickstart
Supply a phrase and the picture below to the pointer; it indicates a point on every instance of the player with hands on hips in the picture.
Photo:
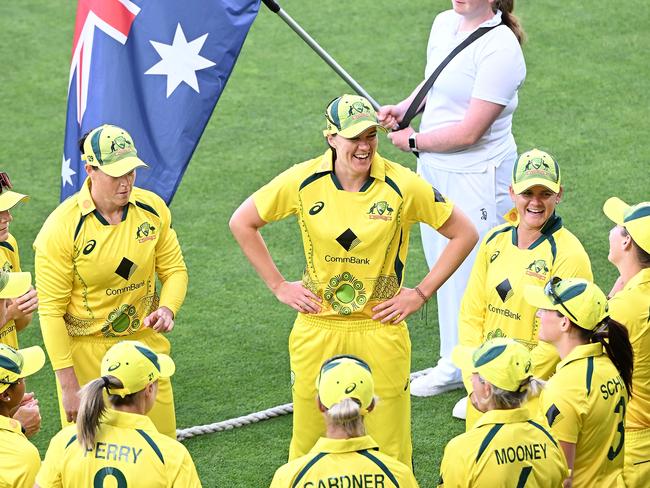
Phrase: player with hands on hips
(507, 446)
(19, 458)
(464, 144)
(346, 455)
(629, 304)
(355, 210)
(118, 445)
(585, 401)
(97, 258)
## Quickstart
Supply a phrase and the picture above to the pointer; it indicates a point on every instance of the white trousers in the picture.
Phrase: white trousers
(484, 198)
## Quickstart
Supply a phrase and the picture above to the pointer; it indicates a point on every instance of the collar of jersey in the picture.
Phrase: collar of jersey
(325, 444)
(377, 168)
(128, 420)
(638, 279)
(7, 423)
(581, 352)
(552, 225)
(85, 200)
(504, 416)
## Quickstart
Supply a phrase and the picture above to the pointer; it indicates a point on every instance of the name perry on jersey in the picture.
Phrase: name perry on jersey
(522, 452)
(115, 452)
(349, 481)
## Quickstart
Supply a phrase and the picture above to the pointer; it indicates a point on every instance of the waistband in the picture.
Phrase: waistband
(637, 434)
(97, 339)
(312, 320)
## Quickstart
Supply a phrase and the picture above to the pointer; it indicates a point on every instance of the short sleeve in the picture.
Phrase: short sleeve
(426, 204)
(279, 198)
(50, 473)
(561, 410)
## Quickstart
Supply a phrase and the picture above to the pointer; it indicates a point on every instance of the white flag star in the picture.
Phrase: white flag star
(180, 61)
(66, 171)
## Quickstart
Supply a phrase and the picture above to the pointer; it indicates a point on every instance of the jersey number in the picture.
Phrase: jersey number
(612, 453)
(103, 473)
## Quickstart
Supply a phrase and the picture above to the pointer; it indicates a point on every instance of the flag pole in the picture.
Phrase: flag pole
(275, 8)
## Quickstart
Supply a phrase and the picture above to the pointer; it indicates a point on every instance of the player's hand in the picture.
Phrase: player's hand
(399, 307)
(23, 305)
(160, 320)
(28, 414)
(298, 297)
(69, 392)
(400, 138)
(389, 116)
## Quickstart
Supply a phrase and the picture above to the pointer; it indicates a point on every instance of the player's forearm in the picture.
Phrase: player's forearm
(57, 341)
(23, 321)
(172, 293)
(254, 248)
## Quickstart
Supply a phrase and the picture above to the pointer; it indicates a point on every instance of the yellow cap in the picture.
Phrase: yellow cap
(345, 377)
(14, 285)
(635, 218)
(533, 168)
(503, 362)
(580, 300)
(349, 116)
(16, 364)
(110, 148)
(8, 198)
(135, 365)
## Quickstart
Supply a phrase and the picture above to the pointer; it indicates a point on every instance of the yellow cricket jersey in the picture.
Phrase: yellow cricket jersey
(9, 261)
(355, 243)
(494, 305)
(631, 307)
(128, 451)
(98, 279)
(338, 463)
(19, 459)
(506, 448)
(584, 403)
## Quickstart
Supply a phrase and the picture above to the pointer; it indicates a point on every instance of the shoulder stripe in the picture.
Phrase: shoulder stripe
(381, 465)
(151, 442)
(394, 186)
(7, 245)
(146, 207)
(311, 178)
(307, 467)
(590, 373)
(535, 424)
(72, 439)
(523, 476)
(488, 438)
(76, 231)
(100, 217)
(496, 233)
(551, 414)
(437, 196)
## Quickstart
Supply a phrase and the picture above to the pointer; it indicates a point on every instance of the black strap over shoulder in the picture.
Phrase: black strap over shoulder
(413, 109)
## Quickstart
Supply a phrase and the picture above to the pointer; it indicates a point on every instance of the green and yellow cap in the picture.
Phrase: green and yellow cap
(345, 377)
(110, 148)
(14, 285)
(8, 198)
(349, 115)
(503, 362)
(16, 364)
(536, 167)
(135, 365)
(578, 299)
(635, 219)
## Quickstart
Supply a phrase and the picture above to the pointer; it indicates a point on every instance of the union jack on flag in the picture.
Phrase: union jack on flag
(155, 68)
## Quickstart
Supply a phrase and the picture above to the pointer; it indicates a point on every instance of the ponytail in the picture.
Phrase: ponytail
(92, 407)
(530, 388)
(510, 19)
(615, 339)
(347, 414)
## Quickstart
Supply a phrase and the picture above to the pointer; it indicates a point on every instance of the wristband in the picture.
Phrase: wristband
(422, 295)
(413, 143)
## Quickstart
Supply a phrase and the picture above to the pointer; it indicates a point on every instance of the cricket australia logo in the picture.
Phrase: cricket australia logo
(7, 267)
(538, 269)
(380, 210)
(122, 320)
(345, 293)
(120, 145)
(146, 232)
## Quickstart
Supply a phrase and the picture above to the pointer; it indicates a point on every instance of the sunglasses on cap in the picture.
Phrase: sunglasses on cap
(5, 182)
(549, 290)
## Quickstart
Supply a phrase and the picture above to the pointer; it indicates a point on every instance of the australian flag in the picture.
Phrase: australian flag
(155, 68)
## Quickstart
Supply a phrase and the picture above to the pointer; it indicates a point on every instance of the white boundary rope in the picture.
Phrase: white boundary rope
(182, 434)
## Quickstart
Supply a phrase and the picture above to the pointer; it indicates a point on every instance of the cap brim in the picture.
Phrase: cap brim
(522, 186)
(536, 297)
(33, 360)
(461, 356)
(357, 129)
(10, 199)
(122, 167)
(17, 285)
(614, 208)
(167, 366)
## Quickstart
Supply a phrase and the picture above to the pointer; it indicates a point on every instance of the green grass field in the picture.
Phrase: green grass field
(585, 99)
